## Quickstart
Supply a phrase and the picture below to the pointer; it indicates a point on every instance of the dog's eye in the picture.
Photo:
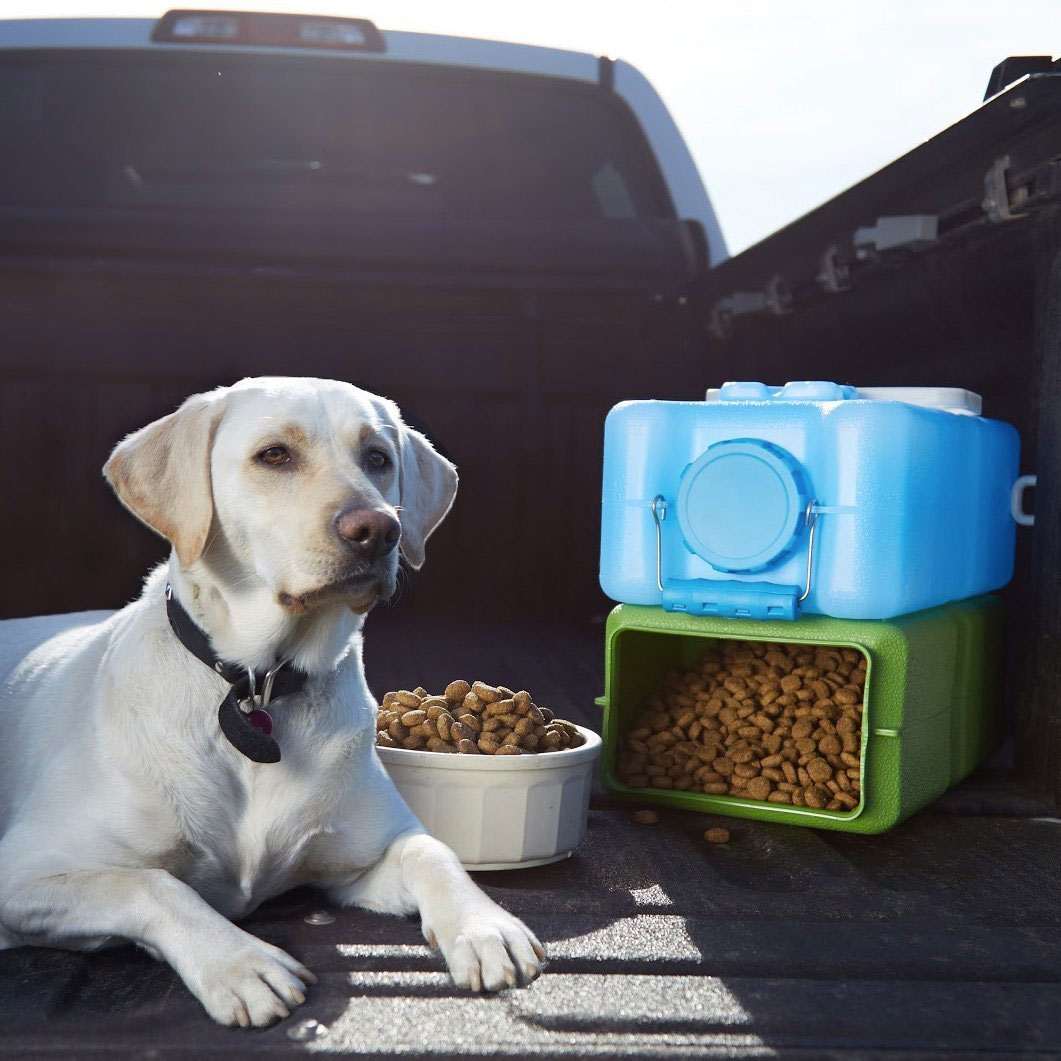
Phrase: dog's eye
(376, 460)
(274, 456)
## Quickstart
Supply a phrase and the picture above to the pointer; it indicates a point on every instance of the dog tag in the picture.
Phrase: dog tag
(262, 720)
(249, 733)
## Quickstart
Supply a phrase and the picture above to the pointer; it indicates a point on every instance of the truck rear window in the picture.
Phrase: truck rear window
(277, 134)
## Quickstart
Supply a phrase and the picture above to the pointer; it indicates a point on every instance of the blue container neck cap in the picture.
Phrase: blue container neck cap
(741, 505)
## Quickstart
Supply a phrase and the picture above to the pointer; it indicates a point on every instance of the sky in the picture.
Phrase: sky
(783, 104)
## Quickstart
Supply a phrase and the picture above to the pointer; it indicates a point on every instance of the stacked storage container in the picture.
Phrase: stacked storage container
(813, 514)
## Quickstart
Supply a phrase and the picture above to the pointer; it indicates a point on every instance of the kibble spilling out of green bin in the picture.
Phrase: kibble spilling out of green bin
(928, 682)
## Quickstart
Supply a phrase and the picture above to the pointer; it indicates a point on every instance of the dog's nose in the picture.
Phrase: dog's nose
(368, 532)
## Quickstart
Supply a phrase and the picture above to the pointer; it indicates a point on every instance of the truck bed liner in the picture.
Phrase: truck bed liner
(942, 937)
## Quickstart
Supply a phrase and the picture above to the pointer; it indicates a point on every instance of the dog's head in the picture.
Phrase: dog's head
(311, 487)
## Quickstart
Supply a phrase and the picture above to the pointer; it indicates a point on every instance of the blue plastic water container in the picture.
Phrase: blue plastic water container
(764, 501)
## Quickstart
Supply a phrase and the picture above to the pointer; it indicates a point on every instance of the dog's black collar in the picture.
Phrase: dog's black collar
(247, 687)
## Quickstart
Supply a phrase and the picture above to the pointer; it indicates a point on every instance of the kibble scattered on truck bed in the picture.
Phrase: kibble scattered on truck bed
(764, 721)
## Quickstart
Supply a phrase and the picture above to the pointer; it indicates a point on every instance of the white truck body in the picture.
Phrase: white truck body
(675, 161)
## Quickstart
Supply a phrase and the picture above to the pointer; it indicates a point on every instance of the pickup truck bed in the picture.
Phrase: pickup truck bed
(508, 344)
(941, 938)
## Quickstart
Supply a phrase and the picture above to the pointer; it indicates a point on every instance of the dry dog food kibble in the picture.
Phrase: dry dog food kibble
(774, 722)
(717, 835)
(472, 719)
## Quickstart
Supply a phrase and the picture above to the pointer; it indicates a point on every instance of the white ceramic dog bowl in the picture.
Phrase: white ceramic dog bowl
(499, 811)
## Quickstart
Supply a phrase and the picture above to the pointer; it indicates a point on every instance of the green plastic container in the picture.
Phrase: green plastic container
(930, 713)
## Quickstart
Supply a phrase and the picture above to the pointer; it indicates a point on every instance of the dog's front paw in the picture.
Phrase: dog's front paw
(487, 948)
(252, 984)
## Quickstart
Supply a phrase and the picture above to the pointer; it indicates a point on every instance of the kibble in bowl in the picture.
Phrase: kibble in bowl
(512, 793)
(472, 719)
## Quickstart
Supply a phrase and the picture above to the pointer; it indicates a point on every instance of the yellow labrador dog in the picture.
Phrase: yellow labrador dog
(170, 766)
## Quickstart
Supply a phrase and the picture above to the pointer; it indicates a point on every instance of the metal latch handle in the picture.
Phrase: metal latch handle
(810, 517)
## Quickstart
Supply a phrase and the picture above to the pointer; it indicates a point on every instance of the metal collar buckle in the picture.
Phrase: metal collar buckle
(256, 700)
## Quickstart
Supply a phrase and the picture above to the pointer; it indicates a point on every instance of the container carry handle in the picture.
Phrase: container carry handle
(1016, 501)
(810, 515)
(659, 514)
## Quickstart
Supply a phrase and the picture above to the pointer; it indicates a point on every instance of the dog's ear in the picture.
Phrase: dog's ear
(161, 473)
(428, 484)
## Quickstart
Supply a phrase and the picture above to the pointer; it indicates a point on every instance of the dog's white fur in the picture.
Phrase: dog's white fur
(126, 815)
